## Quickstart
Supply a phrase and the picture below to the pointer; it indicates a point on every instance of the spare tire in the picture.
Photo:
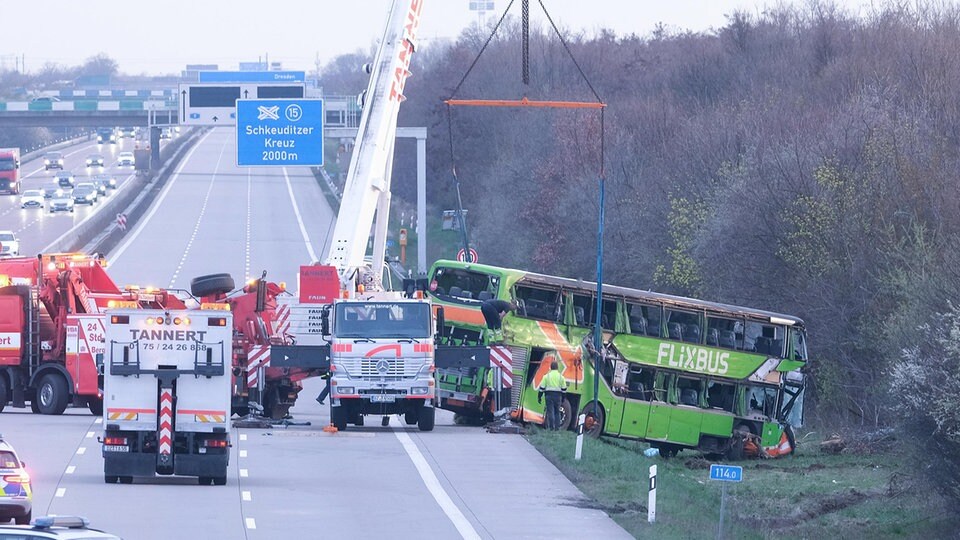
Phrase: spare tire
(211, 284)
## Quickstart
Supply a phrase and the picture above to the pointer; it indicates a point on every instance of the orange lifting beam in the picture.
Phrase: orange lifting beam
(526, 103)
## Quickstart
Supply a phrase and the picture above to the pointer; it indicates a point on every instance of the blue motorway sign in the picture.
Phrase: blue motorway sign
(251, 76)
(282, 132)
(727, 473)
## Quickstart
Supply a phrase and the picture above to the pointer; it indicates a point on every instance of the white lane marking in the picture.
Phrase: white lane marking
(70, 469)
(89, 434)
(243, 453)
(61, 492)
(243, 436)
(196, 228)
(246, 496)
(157, 203)
(98, 421)
(296, 211)
(81, 451)
(251, 523)
(440, 495)
(244, 473)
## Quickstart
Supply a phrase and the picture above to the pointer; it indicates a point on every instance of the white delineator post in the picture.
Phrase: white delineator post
(652, 496)
(581, 420)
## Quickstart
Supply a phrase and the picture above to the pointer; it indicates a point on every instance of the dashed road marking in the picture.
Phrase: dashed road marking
(246, 496)
(70, 469)
(243, 436)
(115, 255)
(98, 421)
(61, 492)
(251, 523)
(244, 473)
(82, 450)
(243, 453)
(90, 434)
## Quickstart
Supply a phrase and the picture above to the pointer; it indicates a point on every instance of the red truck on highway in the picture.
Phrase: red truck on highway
(10, 170)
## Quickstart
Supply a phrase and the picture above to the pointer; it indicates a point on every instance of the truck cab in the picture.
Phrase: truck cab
(10, 170)
(382, 359)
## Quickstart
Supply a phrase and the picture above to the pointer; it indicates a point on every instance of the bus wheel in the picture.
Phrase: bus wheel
(738, 440)
(566, 415)
(594, 421)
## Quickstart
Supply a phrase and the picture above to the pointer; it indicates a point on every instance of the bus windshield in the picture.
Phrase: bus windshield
(383, 320)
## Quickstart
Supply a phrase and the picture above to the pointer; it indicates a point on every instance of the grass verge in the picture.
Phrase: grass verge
(809, 495)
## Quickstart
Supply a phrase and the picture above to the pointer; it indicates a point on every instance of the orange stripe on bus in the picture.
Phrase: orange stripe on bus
(570, 356)
(463, 315)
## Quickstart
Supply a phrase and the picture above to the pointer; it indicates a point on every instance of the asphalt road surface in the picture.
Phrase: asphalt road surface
(290, 481)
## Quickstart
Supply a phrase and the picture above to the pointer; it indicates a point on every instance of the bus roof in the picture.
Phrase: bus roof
(614, 290)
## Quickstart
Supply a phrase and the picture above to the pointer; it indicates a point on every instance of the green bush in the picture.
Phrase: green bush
(926, 385)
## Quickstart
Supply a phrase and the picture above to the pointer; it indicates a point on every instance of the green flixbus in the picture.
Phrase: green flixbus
(677, 372)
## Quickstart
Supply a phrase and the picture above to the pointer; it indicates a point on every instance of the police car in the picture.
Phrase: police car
(68, 527)
(16, 493)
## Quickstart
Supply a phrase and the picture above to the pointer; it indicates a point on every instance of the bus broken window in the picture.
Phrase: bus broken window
(464, 284)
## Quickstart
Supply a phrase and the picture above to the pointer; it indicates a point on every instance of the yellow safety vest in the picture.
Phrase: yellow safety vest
(553, 382)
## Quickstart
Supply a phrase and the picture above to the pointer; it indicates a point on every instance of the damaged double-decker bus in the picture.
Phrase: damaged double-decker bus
(679, 373)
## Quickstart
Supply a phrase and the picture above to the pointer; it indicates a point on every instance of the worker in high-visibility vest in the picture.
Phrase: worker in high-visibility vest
(553, 385)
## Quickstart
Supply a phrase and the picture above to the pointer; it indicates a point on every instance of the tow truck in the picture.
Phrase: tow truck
(52, 329)
(167, 393)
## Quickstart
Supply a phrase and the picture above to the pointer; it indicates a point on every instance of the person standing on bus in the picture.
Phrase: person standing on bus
(553, 385)
(493, 313)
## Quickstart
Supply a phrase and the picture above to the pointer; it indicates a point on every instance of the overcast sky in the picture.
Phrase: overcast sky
(163, 36)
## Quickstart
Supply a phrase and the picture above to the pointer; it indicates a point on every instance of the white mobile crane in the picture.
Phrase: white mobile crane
(381, 344)
(367, 188)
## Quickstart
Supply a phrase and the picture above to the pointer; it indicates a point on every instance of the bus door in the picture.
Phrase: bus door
(658, 422)
(638, 389)
(686, 417)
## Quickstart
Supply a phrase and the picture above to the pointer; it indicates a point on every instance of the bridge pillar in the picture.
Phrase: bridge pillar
(154, 147)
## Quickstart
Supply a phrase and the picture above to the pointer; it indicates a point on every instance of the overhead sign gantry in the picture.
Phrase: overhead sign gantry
(215, 104)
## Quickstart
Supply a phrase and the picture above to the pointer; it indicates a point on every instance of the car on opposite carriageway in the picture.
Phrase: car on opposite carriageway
(9, 244)
(125, 159)
(85, 193)
(95, 160)
(32, 198)
(107, 179)
(53, 160)
(66, 179)
(62, 201)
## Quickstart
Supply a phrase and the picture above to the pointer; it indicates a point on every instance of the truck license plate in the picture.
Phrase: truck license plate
(382, 398)
(112, 448)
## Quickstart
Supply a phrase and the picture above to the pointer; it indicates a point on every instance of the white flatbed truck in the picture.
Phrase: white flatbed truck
(167, 389)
